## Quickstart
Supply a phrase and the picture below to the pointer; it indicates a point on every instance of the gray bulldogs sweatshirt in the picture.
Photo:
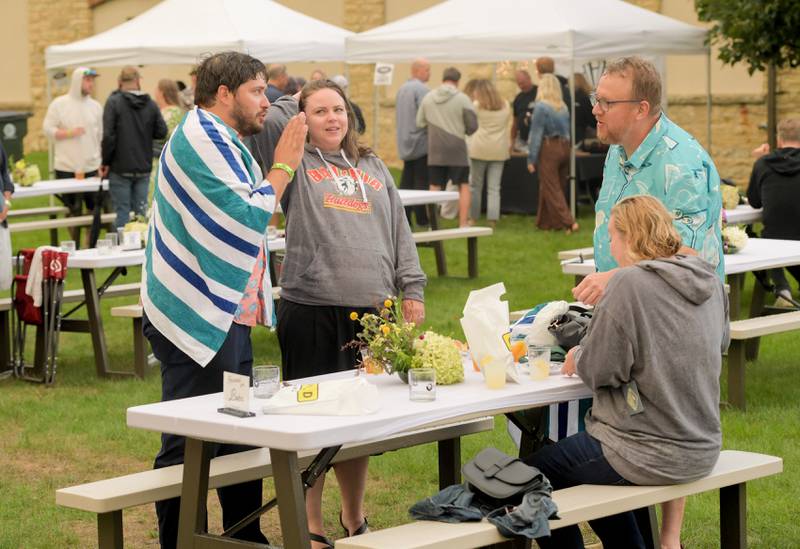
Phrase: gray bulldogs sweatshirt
(348, 242)
(662, 324)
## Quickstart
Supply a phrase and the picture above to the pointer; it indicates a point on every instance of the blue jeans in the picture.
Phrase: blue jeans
(490, 171)
(579, 460)
(128, 194)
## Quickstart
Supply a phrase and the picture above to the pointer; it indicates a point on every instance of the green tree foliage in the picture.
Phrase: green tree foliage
(757, 32)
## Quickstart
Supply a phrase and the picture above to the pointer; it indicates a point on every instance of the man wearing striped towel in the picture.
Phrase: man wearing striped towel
(205, 281)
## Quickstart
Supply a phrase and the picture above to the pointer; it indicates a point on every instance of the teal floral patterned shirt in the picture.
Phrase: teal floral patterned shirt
(672, 166)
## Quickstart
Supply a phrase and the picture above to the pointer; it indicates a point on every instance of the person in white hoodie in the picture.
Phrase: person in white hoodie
(74, 123)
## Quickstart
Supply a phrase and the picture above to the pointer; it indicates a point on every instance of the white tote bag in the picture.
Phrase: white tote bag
(6, 273)
(449, 210)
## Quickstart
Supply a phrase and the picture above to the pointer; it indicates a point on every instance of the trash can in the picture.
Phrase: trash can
(13, 129)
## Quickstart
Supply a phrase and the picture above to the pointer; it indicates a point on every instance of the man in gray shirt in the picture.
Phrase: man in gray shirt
(412, 141)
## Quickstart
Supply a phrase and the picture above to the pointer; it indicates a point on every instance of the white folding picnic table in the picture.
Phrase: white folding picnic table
(198, 420)
(743, 214)
(54, 187)
(760, 254)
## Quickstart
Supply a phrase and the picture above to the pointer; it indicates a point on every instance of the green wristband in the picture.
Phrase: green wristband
(284, 167)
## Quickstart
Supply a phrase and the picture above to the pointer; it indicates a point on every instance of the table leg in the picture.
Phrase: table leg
(735, 282)
(109, 530)
(438, 246)
(95, 321)
(291, 499)
(449, 462)
(194, 491)
(94, 231)
(733, 516)
(756, 309)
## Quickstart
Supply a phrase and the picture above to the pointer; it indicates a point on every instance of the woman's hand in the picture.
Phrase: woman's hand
(290, 150)
(413, 311)
(531, 168)
(569, 362)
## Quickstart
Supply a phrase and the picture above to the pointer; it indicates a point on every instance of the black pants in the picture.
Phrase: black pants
(778, 277)
(312, 336)
(415, 176)
(181, 377)
(73, 200)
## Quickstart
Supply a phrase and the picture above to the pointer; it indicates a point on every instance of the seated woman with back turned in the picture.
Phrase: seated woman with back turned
(652, 356)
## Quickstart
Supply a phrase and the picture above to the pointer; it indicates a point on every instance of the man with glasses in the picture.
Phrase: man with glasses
(651, 155)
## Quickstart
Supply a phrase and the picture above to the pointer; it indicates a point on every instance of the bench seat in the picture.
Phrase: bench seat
(60, 223)
(750, 329)
(109, 497)
(436, 237)
(588, 502)
(45, 210)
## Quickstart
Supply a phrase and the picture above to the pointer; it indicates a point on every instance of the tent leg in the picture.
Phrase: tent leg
(708, 101)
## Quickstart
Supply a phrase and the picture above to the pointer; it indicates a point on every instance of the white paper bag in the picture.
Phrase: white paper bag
(486, 327)
(341, 397)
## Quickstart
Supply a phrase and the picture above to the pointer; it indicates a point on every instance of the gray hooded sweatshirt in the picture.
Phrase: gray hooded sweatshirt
(348, 242)
(450, 117)
(662, 324)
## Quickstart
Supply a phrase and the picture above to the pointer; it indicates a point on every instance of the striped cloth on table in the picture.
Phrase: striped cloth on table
(208, 222)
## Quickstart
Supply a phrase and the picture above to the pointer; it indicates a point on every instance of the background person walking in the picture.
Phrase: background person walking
(131, 121)
(488, 148)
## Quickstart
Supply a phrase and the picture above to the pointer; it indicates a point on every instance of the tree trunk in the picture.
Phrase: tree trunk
(772, 106)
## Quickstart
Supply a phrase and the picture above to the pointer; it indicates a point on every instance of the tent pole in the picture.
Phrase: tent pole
(51, 151)
(375, 108)
(573, 203)
(708, 100)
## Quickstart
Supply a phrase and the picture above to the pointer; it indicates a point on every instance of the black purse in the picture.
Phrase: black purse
(569, 328)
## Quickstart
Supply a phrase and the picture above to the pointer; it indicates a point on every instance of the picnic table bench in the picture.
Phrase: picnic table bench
(744, 333)
(109, 497)
(588, 502)
(141, 358)
(436, 237)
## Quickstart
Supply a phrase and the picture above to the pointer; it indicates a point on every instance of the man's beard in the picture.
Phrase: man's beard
(246, 126)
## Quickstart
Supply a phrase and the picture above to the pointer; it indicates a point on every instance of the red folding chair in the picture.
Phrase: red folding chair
(46, 317)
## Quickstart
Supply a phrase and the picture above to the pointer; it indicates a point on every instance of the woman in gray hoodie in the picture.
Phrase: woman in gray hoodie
(652, 357)
(348, 248)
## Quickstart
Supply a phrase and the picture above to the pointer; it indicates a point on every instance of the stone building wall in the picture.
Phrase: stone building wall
(50, 22)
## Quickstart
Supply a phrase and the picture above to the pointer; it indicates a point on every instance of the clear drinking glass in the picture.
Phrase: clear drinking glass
(494, 373)
(266, 380)
(114, 238)
(422, 384)
(104, 246)
(68, 246)
(539, 361)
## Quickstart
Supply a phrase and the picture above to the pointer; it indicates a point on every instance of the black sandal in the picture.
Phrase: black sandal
(363, 529)
(321, 539)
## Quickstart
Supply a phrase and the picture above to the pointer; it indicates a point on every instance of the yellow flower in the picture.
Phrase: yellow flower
(385, 329)
(387, 303)
(353, 315)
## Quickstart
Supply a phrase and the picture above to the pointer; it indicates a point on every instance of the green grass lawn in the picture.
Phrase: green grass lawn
(75, 432)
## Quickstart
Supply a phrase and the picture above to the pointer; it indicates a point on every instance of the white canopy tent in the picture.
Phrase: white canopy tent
(573, 31)
(180, 31)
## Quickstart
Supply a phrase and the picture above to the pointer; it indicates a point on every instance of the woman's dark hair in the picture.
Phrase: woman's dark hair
(230, 69)
(350, 145)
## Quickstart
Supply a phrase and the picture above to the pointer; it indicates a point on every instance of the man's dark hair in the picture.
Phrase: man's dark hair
(230, 69)
(451, 74)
